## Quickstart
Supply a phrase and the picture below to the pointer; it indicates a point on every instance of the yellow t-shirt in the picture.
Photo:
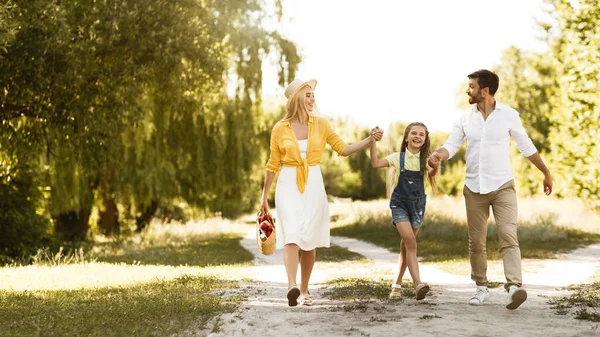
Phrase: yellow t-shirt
(411, 163)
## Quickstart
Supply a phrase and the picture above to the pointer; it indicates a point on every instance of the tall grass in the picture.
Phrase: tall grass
(445, 237)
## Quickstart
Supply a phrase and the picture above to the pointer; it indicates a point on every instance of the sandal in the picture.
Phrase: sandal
(306, 300)
(396, 292)
(421, 290)
(292, 296)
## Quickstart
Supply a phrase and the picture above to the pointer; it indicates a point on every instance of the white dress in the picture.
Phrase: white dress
(302, 219)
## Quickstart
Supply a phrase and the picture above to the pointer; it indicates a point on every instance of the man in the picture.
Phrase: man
(488, 126)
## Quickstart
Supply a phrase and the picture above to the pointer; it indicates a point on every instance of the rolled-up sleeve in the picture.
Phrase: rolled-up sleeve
(274, 163)
(332, 138)
(522, 140)
(455, 140)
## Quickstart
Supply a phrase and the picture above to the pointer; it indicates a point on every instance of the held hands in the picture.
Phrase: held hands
(376, 134)
(434, 160)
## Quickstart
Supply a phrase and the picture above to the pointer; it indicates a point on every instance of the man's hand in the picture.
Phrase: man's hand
(434, 160)
(547, 184)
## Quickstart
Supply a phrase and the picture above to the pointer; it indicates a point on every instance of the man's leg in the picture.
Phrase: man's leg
(478, 212)
(504, 206)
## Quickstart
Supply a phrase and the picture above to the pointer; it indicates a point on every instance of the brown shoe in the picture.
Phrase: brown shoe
(421, 290)
(292, 296)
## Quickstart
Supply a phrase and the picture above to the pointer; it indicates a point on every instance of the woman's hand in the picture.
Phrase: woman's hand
(264, 206)
(376, 134)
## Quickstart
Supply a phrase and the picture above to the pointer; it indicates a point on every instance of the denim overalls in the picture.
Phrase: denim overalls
(408, 199)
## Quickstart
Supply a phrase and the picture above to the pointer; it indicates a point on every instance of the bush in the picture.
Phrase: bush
(22, 230)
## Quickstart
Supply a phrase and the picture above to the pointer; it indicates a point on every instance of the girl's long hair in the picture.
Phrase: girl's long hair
(424, 153)
(295, 106)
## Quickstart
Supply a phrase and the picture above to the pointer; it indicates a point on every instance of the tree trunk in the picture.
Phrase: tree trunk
(73, 225)
(144, 219)
(109, 218)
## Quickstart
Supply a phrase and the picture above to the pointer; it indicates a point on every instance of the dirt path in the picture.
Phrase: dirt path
(444, 313)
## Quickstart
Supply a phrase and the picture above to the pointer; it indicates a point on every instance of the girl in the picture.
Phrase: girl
(407, 201)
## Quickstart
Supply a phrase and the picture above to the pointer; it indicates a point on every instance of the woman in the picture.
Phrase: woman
(297, 145)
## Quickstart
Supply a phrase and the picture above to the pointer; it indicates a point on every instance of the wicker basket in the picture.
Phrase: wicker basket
(266, 247)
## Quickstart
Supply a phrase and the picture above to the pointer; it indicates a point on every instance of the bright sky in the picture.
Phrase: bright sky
(380, 61)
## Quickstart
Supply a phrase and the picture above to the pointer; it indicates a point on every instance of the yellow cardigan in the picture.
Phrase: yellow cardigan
(286, 151)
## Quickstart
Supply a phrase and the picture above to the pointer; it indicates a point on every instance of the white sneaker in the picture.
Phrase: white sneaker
(480, 295)
(516, 297)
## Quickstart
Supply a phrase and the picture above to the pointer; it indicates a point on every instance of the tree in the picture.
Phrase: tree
(575, 138)
(127, 103)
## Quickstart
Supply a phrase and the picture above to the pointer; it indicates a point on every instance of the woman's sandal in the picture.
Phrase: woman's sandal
(421, 290)
(306, 300)
(292, 296)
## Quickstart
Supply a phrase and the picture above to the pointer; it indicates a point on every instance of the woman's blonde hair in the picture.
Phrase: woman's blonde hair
(295, 106)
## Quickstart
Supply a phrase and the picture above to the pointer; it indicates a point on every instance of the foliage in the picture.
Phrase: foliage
(574, 140)
(22, 229)
(557, 96)
(126, 106)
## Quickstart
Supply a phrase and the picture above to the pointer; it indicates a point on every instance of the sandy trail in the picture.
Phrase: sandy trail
(444, 313)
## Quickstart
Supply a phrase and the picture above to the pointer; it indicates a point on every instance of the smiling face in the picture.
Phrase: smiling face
(415, 138)
(309, 99)
(474, 91)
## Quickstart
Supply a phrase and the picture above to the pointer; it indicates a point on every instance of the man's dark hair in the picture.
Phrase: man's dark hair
(486, 79)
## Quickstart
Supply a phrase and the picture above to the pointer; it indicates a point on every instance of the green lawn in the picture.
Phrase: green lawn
(194, 250)
(443, 238)
(160, 308)
(144, 285)
(338, 254)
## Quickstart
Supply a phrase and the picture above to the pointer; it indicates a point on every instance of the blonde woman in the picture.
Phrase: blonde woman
(297, 145)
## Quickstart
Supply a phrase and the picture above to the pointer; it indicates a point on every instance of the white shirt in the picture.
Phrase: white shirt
(488, 146)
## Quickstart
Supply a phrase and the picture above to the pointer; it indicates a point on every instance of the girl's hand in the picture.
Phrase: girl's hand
(376, 133)
(264, 206)
(434, 160)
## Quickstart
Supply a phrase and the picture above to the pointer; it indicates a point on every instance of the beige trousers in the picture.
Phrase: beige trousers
(504, 205)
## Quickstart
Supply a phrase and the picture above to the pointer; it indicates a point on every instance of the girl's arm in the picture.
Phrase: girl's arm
(376, 162)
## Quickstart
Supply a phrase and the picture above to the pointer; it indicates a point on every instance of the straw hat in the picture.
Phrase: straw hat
(296, 84)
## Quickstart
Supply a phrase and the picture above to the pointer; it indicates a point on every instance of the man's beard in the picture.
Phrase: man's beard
(474, 99)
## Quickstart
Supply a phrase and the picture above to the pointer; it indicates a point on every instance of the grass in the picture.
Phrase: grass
(338, 254)
(154, 283)
(363, 289)
(584, 301)
(195, 250)
(155, 308)
(443, 237)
